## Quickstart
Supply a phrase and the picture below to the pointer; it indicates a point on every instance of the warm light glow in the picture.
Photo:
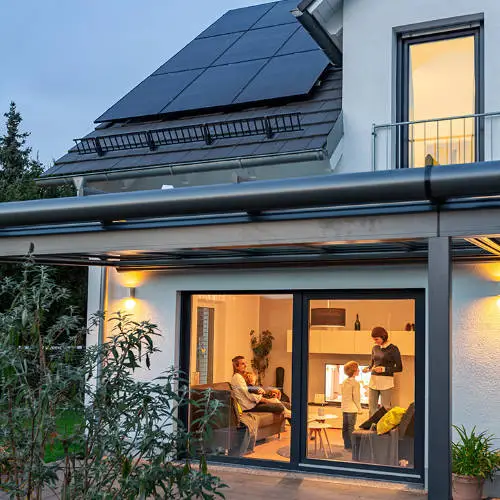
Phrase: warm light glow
(131, 279)
(130, 304)
(498, 301)
(442, 84)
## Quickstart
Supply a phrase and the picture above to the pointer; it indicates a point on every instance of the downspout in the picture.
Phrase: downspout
(79, 183)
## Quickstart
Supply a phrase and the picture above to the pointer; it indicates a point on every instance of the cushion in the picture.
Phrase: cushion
(390, 420)
(407, 425)
(373, 419)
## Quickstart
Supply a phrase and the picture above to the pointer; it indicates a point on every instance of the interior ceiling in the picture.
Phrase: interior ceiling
(277, 255)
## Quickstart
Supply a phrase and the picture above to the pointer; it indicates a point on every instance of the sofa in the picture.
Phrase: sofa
(227, 432)
(395, 448)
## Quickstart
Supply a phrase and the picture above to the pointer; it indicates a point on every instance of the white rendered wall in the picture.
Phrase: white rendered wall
(369, 63)
(476, 317)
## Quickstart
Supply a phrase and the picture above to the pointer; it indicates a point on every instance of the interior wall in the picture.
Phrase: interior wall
(276, 315)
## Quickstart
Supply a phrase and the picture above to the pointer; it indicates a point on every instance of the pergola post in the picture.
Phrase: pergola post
(439, 359)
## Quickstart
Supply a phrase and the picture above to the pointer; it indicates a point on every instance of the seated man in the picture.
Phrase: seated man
(248, 401)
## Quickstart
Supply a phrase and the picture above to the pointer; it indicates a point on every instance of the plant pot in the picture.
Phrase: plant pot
(467, 487)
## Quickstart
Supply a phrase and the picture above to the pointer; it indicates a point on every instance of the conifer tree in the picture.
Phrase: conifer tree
(18, 171)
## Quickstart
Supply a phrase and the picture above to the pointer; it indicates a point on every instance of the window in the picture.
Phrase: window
(439, 77)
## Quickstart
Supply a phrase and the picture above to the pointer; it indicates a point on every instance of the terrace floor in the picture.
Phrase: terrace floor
(256, 483)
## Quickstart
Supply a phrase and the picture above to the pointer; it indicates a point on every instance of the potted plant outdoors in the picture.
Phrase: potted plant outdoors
(474, 459)
(261, 347)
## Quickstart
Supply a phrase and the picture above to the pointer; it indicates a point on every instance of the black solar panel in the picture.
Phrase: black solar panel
(217, 86)
(300, 41)
(150, 96)
(279, 14)
(249, 55)
(258, 44)
(237, 20)
(285, 76)
(200, 53)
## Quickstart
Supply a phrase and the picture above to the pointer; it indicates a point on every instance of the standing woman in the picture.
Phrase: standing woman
(385, 362)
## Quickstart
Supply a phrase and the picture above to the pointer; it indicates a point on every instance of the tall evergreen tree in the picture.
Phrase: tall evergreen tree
(18, 171)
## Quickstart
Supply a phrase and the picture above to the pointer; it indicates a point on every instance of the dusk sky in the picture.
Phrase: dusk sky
(66, 61)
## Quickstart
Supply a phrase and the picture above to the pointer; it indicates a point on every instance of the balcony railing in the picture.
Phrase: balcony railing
(441, 141)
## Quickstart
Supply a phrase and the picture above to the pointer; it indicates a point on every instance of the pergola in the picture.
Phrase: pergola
(399, 216)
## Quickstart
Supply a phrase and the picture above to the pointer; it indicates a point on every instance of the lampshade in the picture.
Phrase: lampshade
(328, 316)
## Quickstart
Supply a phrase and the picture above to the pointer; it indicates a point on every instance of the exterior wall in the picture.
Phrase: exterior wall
(369, 63)
(476, 317)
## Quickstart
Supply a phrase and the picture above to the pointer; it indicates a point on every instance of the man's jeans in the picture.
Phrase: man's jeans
(347, 428)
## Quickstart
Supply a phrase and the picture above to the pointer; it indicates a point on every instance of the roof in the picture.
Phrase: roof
(283, 124)
(318, 114)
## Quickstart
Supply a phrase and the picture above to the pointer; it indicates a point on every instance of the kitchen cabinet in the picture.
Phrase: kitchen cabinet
(340, 341)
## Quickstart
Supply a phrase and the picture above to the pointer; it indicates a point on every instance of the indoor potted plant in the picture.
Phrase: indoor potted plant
(261, 347)
(474, 459)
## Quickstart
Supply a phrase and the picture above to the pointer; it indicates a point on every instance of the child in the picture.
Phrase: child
(273, 395)
(351, 402)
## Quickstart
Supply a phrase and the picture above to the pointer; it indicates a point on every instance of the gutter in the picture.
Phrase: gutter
(187, 168)
(318, 33)
(435, 184)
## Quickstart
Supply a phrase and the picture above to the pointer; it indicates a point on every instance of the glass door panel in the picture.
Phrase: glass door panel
(361, 365)
(241, 349)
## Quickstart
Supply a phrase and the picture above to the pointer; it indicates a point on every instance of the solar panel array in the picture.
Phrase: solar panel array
(248, 55)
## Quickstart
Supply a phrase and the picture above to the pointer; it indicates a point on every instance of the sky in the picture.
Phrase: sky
(64, 62)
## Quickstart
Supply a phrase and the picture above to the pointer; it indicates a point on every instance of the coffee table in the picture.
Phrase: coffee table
(316, 432)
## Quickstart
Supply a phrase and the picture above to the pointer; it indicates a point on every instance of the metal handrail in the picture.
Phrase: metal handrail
(445, 118)
(477, 133)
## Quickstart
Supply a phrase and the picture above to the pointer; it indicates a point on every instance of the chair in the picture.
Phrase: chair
(393, 448)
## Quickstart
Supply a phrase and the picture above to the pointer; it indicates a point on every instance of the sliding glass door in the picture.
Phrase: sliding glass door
(329, 380)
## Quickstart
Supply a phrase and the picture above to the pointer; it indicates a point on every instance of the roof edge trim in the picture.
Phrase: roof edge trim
(318, 33)
(184, 168)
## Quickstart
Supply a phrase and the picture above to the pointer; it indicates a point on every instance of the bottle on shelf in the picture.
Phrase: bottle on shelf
(357, 324)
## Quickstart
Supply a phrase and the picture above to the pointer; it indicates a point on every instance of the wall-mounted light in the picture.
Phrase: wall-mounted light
(130, 302)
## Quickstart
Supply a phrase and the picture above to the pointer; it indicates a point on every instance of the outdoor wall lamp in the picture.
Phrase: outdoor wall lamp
(130, 302)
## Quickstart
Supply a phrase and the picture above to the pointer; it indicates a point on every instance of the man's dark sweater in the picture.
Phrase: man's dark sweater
(389, 357)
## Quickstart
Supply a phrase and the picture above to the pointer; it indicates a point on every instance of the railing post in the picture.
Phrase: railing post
(374, 140)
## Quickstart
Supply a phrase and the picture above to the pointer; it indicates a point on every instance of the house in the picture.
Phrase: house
(312, 170)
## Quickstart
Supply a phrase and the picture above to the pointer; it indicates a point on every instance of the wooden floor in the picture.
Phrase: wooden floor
(268, 450)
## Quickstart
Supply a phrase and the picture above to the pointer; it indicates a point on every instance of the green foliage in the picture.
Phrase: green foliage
(18, 171)
(261, 347)
(116, 434)
(473, 454)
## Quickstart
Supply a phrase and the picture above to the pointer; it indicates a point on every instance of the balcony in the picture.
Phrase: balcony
(441, 141)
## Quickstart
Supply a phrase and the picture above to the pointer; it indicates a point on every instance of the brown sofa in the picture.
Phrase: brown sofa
(227, 431)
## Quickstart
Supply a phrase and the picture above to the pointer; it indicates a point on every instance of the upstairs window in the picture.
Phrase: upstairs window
(440, 80)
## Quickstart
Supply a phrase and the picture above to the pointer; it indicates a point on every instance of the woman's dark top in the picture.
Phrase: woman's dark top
(389, 357)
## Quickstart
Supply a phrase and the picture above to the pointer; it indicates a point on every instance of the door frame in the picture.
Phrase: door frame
(300, 342)
(300, 361)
